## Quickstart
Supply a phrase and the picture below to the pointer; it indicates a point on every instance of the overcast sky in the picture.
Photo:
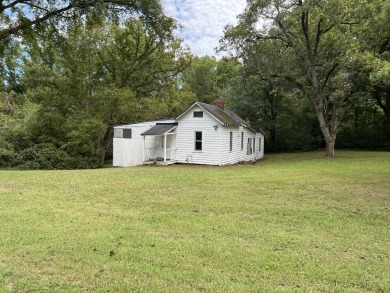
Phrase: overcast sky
(203, 21)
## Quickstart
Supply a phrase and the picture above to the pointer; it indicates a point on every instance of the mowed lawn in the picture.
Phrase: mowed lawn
(289, 223)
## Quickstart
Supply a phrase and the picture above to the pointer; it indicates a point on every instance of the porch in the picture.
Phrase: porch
(160, 144)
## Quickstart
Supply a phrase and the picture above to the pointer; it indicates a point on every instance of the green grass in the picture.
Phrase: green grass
(290, 223)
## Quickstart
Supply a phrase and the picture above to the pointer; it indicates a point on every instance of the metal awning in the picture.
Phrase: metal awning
(160, 129)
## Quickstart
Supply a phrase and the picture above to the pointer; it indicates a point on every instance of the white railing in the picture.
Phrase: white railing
(172, 154)
(155, 152)
(152, 153)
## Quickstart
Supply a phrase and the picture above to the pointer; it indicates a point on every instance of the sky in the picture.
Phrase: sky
(203, 21)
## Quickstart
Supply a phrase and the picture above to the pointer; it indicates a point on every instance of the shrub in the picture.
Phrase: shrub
(9, 158)
(44, 156)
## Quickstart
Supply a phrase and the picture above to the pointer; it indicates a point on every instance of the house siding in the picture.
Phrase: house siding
(127, 152)
(216, 143)
(238, 154)
(210, 154)
(230, 157)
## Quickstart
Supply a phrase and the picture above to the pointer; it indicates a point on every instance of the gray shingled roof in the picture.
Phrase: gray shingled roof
(160, 129)
(225, 116)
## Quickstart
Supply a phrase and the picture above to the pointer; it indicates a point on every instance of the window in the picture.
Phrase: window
(242, 140)
(122, 133)
(254, 145)
(231, 141)
(198, 114)
(198, 140)
(259, 144)
(127, 133)
(250, 146)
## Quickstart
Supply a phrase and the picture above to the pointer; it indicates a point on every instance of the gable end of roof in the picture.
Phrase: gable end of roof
(223, 116)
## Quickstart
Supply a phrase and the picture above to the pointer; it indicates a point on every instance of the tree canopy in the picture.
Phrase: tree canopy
(23, 17)
(320, 39)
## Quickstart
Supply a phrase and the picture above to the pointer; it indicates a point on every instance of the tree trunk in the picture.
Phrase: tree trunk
(329, 135)
(105, 146)
(330, 142)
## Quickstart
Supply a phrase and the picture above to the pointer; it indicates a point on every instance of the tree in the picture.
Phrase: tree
(227, 68)
(379, 67)
(100, 77)
(201, 78)
(321, 36)
(24, 18)
(260, 95)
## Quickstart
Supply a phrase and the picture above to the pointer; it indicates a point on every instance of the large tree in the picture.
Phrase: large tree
(23, 17)
(378, 44)
(321, 36)
(261, 94)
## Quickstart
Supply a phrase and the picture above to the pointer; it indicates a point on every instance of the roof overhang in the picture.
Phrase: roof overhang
(160, 129)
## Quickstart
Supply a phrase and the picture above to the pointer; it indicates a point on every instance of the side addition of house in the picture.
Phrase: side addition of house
(203, 134)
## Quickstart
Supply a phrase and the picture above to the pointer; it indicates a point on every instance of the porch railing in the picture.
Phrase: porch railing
(156, 152)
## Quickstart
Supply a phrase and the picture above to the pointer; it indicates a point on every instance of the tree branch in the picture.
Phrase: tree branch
(28, 23)
(318, 35)
(30, 18)
(385, 46)
(305, 30)
(10, 5)
(378, 99)
(290, 42)
(328, 75)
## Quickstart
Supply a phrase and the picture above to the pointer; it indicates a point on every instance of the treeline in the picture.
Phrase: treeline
(64, 86)
(306, 72)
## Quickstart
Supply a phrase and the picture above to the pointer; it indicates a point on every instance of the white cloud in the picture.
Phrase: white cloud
(203, 21)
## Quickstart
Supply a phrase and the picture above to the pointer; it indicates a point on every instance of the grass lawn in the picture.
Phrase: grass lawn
(290, 223)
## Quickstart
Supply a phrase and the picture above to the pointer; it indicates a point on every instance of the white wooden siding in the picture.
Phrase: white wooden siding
(237, 154)
(215, 143)
(127, 152)
(210, 154)
(130, 152)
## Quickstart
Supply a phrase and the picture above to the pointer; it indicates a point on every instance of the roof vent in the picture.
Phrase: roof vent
(220, 103)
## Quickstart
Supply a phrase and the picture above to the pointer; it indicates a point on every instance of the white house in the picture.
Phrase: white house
(203, 134)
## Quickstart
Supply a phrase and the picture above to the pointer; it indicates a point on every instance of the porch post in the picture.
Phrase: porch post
(165, 148)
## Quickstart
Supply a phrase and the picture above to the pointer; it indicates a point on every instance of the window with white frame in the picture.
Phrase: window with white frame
(198, 114)
(198, 141)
